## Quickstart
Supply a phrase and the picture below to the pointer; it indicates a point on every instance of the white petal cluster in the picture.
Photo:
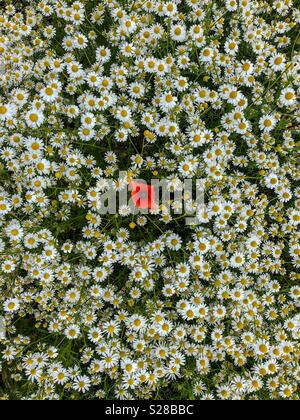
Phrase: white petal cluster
(129, 306)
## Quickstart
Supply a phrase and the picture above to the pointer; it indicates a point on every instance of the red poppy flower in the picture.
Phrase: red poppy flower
(143, 195)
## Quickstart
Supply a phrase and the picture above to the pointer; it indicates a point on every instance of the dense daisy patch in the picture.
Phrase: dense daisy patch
(139, 306)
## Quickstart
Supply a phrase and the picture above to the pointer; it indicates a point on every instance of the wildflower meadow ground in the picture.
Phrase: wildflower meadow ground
(155, 299)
